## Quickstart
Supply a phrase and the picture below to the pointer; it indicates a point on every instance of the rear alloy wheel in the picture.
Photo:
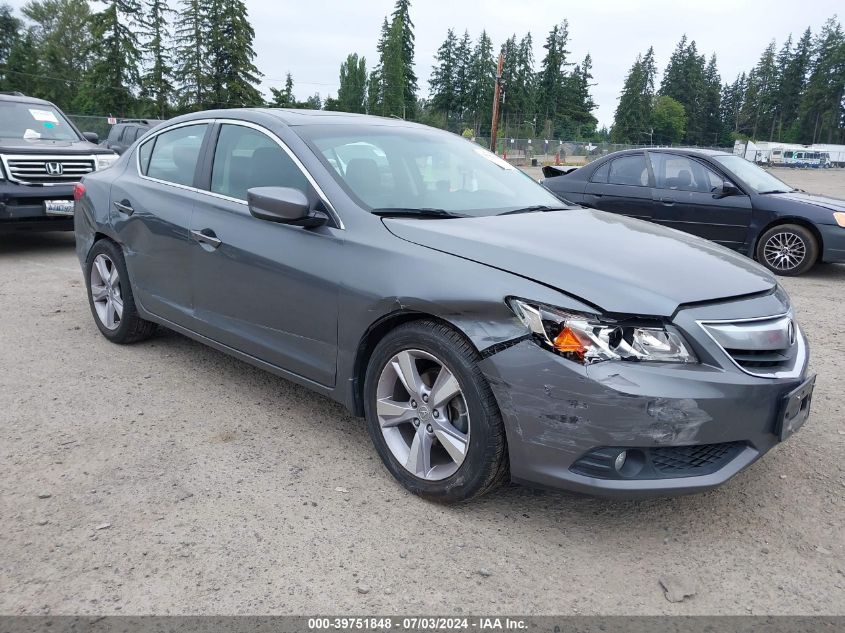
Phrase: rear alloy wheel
(431, 413)
(788, 249)
(110, 296)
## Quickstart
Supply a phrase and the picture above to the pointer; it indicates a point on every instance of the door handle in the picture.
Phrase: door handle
(207, 236)
(124, 207)
(596, 195)
(667, 201)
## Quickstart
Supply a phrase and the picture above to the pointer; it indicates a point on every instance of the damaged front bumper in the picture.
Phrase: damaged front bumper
(693, 425)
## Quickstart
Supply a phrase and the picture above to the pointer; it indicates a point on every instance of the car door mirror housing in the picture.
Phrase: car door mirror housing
(283, 205)
(728, 189)
(91, 137)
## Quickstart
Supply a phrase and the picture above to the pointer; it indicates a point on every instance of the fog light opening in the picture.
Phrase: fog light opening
(629, 463)
(619, 462)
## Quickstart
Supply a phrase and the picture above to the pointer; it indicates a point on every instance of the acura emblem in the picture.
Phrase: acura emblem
(54, 169)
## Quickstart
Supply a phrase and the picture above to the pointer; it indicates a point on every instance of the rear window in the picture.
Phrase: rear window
(172, 156)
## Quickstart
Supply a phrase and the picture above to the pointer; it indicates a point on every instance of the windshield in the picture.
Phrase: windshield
(389, 167)
(753, 176)
(33, 121)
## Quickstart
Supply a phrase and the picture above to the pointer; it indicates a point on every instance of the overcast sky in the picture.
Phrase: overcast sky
(311, 38)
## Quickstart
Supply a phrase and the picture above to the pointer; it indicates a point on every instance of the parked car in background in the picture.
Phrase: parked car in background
(715, 195)
(126, 131)
(42, 156)
(484, 329)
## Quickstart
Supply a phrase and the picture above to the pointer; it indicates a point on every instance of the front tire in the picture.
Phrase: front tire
(788, 250)
(431, 414)
(110, 296)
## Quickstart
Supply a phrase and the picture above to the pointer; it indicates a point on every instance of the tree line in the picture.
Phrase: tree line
(147, 58)
(133, 57)
(793, 94)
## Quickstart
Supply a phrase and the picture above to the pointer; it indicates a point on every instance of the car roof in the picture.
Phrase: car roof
(21, 98)
(294, 118)
(684, 151)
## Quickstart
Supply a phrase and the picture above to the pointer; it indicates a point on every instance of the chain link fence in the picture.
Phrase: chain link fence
(97, 124)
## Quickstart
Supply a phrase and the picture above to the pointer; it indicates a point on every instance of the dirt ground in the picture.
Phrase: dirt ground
(168, 478)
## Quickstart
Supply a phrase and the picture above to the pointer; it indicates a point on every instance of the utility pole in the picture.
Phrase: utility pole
(494, 128)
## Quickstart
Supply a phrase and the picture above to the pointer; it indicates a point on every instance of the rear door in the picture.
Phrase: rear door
(151, 211)
(622, 186)
(686, 197)
(266, 289)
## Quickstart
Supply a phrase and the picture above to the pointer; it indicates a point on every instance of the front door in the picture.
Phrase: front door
(266, 289)
(151, 212)
(686, 197)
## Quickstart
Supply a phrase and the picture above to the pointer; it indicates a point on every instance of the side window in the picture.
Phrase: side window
(600, 175)
(246, 158)
(629, 170)
(682, 174)
(175, 154)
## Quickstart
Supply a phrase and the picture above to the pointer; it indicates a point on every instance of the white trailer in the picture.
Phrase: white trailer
(791, 154)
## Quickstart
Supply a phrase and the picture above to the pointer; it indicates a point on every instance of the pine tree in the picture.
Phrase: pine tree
(352, 94)
(577, 103)
(481, 80)
(442, 85)
(402, 15)
(795, 65)
(632, 121)
(712, 101)
(283, 98)
(190, 50)
(822, 110)
(552, 78)
(108, 86)
(157, 81)
(375, 86)
(393, 74)
(62, 32)
(233, 76)
(10, 34)
(766, 77)
(22, 65)
(463, 72)
(685, 81)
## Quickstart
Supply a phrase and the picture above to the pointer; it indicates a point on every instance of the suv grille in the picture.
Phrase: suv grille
(47, 170)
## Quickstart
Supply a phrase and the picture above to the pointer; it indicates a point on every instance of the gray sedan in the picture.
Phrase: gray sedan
(485, 331)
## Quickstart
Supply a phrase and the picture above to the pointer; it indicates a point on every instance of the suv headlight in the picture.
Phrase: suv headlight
(585, 339)
(105, 161)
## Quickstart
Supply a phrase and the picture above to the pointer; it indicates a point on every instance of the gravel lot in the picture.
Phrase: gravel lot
(168, 478)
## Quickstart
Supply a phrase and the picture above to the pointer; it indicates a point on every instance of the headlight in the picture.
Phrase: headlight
(106, 160)
(585, 339)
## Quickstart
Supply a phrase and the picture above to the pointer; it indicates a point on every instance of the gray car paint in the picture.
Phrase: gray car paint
(326, 295)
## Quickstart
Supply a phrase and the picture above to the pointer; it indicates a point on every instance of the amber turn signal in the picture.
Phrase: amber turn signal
(839, 216)
(568, 342)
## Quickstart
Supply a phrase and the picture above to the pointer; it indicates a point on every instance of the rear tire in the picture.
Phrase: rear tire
(469, 422)
(788, 249)
(110, 296)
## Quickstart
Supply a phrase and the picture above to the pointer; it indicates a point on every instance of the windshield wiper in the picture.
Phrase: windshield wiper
(763, 193)
(535, 209)
(417, 212)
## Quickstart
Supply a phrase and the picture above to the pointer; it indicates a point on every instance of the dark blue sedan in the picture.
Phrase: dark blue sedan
(715, 195)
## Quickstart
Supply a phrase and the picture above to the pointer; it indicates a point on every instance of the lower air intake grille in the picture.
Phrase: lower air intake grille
(683, 459)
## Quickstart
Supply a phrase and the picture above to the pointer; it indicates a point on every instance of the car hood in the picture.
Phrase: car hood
(825, 202)
(42, 146)
(616, 263)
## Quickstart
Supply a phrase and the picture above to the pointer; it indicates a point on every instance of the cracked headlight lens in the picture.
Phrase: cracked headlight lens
(585, 339)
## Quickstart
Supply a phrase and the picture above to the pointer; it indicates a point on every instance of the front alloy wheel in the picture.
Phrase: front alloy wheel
(789, 249)
(432, 415)
(423, 415)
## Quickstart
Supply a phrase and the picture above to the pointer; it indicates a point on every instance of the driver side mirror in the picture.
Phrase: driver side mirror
(91, 137)
(283, 205)
(728, 189)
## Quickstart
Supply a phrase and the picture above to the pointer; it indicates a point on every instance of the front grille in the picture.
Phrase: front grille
(663, 462)
(49, 170)
(763, 347)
